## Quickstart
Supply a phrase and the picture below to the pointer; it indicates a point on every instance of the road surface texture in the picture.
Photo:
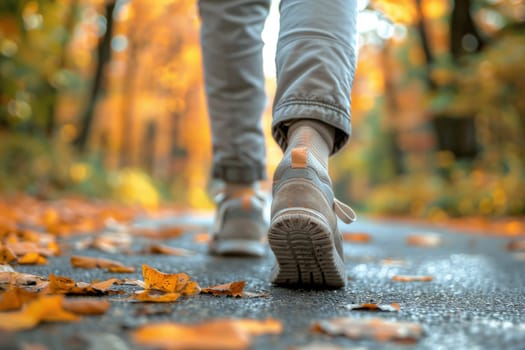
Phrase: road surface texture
(476, 299)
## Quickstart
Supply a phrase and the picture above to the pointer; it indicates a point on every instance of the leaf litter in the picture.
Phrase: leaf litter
(233, 334)
(371, 328)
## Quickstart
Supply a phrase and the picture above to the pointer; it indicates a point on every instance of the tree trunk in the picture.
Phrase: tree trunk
(104, 56)
(462, 28)
(425, 45)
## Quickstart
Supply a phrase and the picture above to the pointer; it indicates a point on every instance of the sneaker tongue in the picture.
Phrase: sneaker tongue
(344, 212)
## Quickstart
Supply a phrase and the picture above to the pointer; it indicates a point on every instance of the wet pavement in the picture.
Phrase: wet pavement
(476, 299)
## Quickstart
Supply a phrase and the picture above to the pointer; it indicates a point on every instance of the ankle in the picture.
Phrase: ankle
(236, 189)
(317, 137)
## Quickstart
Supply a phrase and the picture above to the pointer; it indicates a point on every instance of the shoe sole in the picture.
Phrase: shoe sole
(305, 251)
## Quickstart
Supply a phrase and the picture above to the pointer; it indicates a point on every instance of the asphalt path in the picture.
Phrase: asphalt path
(476, 299)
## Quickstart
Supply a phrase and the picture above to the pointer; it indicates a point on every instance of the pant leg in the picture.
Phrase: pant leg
(316, 60)
(233, 72)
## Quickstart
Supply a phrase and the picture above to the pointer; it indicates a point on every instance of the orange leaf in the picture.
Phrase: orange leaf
(161, 233)
(32, 258)
(260, 327)
(87, 262)
(149, 296)
(409, 278)
(65, 285)
(210, 335)
(22, 280)
(45, 308)
(86, 306)
(374, 307)
(424, 240)
(156, 248)
(14, 298)
(371, 328)
(356, 237)
(6, 255)
(176, 282)
(121, 269)
(233, 289)
(204, 238)
(21, 248)
(516, 245)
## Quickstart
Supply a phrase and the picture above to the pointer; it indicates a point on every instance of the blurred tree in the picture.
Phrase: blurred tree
(97, 87)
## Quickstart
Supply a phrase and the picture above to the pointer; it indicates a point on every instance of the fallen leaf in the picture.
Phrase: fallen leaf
(233, 289)
(156, 248)
(203, 238)
(171, 283)
(23, 280)
(516, 245)
(259, 327)
(45, 308)
(152, 297)
(211, 335)
(14, 297)
(394, 307)
(6, 255)
(356, 237)
(163, 233)
(87, 262)
(424, 240)
(21, 248)
(112, 242)
(86, 306)
(411, 278)
(121, 269)
(66, 285)
(32, 258)
(371, 328)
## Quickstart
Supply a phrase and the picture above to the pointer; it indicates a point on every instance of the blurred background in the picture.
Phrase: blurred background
(104, 99)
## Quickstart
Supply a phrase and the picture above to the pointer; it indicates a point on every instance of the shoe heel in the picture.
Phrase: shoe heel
(305, 250)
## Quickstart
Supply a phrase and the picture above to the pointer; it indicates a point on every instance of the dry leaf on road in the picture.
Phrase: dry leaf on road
(356, 237)
(424, 240)
(162, 233)
(156, 248)
(171, 283)
(202, 237)
(85, 306)
(412, 278)
(66, 285)
(18, 279)
(153, 296)
(394, 307)
(87, 262)
(371, 328)
(32, 258)
(516, 245)
(211, 335)
(6, 255)
(14, 297)
(45, 308)
(233, 289)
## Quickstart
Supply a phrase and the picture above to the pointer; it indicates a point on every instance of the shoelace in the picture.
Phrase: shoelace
(344, 212)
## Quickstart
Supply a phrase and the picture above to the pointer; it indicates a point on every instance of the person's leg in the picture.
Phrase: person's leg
(234, 82)
(316, 58)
